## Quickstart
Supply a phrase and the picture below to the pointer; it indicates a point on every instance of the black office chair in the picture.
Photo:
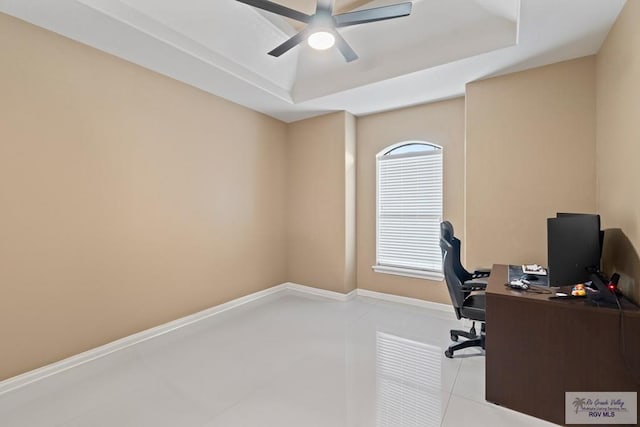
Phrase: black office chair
(466, 290)
(446, 231)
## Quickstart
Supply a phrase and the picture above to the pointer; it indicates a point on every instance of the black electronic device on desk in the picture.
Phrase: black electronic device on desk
(605, 292)
(531, 274)
(574, 248)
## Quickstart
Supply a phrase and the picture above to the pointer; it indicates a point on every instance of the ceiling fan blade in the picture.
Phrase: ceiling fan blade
(290, 44)
(373, 14)
(344, 48)
(272, 7)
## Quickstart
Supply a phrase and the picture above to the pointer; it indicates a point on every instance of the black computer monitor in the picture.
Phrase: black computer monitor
(573, 248)
(601, 232)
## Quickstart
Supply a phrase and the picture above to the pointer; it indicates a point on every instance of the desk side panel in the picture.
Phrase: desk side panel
(537, 350)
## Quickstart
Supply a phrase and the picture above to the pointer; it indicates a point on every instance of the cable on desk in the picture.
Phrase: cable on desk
(623, 347)
(530, 289)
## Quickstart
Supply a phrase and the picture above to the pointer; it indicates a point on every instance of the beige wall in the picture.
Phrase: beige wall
(320, 247)
(441, 123)
(618, 145)
(127, 199)
(530, 145)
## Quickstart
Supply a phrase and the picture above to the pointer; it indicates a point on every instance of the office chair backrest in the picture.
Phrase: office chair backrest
(451, 277)
(446, 232)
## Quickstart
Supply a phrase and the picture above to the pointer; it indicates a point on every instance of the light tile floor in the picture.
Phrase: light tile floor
(286, 360)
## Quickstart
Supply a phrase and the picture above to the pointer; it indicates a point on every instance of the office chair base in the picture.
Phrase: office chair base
(455, 334)
(473, 340)
(472, 334)
(477, 342)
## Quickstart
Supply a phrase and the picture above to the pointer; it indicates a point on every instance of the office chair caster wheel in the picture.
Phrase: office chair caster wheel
(448, 353)
(454, 337)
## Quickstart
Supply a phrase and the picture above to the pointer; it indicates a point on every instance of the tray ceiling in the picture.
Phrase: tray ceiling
(221, 46)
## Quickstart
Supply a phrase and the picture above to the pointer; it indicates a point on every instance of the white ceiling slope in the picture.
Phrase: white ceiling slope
(221, 46)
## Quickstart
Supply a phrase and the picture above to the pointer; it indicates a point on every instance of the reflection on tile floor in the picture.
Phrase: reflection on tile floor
(286, 360)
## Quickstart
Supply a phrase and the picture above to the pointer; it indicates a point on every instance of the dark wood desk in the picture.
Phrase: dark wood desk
(536, 349)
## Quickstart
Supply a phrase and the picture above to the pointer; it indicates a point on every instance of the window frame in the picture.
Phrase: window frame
(419, 273)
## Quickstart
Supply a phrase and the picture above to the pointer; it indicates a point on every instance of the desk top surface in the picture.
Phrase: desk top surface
(499, 277)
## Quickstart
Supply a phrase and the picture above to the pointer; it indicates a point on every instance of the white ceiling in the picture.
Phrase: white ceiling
(221, 46)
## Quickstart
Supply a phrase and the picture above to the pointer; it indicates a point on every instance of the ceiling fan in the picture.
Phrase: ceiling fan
(320, 31)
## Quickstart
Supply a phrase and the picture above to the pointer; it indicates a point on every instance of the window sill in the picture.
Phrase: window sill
(408, 272)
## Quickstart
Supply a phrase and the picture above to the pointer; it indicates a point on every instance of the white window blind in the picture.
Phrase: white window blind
(410, 210)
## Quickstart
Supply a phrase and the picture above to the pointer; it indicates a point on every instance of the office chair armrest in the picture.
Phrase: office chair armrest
(481, 272)
(474, 285)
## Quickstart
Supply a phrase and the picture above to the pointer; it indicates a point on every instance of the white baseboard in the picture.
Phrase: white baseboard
(104, 350)
(405, 300)
(320, 292)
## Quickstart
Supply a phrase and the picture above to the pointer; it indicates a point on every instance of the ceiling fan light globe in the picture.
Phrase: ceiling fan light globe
(321, 40)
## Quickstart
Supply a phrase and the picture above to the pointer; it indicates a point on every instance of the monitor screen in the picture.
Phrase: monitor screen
(573, 246)
(601, 232)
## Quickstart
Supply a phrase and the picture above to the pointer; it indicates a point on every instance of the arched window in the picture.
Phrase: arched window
(409, 209)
